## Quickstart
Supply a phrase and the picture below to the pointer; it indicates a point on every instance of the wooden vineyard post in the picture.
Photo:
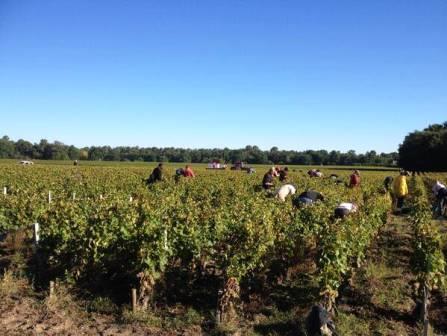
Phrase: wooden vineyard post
(100, 196)
(134, 300)
(5, 191)
(74, 195)
(49, 197)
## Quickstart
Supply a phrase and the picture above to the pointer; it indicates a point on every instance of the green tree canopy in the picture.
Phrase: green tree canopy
(425, 150)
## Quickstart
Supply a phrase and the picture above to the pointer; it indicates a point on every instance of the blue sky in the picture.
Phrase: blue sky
(329, 74)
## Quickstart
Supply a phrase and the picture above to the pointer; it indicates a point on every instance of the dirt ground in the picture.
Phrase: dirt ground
(382, 297)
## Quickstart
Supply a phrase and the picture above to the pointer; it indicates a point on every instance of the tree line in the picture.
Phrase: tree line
(425, 150)
(22, 149)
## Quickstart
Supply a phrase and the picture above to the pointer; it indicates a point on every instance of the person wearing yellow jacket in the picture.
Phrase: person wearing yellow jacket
(400, 189)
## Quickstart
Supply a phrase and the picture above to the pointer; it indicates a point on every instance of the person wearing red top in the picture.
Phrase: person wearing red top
(354, 180)
(187, 172)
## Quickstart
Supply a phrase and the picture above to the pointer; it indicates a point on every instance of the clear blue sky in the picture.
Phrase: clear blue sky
(327, 74)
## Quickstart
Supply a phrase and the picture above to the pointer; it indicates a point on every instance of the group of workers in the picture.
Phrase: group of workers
(157, 174)
(399, 190)
(269, 177)
(309, 196)
(396, 186)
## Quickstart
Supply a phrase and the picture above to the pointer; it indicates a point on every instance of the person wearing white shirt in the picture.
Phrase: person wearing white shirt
(284, 191)
(344, 209)
(437, 188)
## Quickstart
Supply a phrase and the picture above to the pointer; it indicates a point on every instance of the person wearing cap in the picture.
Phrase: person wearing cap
(400, 189)
(354, 179)
(308, 197)
(344, 209)
(284, 191)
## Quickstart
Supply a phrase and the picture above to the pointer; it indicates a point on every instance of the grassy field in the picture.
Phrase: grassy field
(194, 165)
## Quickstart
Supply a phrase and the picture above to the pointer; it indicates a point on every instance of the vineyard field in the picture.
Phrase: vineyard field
(217, 244)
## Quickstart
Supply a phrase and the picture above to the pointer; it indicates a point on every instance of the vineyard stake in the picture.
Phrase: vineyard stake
(5, 191)
(74, 195)
(134, 300)
(130, 199)
(36, 233)
(100, 196)
(51, 289)
(49, 196)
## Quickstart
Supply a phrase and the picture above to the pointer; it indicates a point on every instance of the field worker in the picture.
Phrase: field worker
(318, 173)
(157, 174)
(283, 173)
(336, 179)
(440, 192)
(284, 191)
(188, 172)
(75, 163)
(178, 174)
(344, 209)
(387, 183)
(267, 181)
(251, 171)
(354, 179)
(307, 197)
(319, 322)
(400, 189)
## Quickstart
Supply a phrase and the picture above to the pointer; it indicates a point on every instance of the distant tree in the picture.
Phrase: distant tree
(425, 150)
(274, 155)
(83, 154)
(73, 153)
(302, 159)
(24, 148)
(96, 153)
(7, 148)
(250, 153)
